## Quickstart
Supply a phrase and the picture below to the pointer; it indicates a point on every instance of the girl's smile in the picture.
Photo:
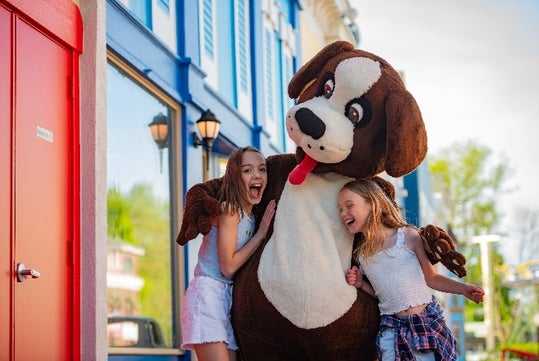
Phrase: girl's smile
(353, 210)
(254, 177)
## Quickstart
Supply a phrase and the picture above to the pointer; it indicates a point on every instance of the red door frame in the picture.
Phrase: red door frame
(61, 20)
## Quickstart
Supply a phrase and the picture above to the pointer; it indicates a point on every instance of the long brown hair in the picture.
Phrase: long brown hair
(232, 192)
(384, 213)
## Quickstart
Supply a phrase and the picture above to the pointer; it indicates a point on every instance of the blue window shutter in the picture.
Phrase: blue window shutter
(208, 28)
(165, 4)
(269, 73)
(143, 11)
(242, 54)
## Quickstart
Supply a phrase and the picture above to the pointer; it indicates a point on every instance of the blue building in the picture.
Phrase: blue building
(173, 63)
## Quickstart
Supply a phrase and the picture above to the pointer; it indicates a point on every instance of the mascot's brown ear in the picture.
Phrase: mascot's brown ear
(311, 69)
(440, 247)
(406, 142)
(386, 186)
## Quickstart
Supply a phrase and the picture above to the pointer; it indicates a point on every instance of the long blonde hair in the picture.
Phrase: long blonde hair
(384, 213)
(232, 193)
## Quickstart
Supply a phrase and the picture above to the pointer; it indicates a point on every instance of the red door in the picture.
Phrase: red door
(38, 186)
(5, 183)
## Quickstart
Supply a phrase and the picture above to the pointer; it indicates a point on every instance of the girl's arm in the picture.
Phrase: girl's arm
(230, 259)
(433, 278)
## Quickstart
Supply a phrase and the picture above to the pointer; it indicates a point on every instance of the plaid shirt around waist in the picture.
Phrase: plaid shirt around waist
(429, 333)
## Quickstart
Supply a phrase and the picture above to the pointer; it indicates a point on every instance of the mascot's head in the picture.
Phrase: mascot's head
(354, 117)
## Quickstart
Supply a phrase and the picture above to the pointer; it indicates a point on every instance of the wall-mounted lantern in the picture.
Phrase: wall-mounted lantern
(208, 127)
(159, 129)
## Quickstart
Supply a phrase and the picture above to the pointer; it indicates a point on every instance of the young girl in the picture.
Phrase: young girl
(206, 308)
(391, 255)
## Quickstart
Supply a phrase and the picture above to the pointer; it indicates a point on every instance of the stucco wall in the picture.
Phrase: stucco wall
(93, 181)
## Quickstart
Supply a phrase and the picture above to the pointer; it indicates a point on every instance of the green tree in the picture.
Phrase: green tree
(473, 183)
(119, 224)
(153, 234)
(143, 220)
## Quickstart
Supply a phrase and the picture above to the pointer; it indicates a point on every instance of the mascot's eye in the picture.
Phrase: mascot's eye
(329, 86)
(354, 113)
(359, 112)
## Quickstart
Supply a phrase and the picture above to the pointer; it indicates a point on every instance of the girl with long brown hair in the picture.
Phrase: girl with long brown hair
(393, 258)
(206, 326)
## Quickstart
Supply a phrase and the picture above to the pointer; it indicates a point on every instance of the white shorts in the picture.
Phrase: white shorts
(206, 313)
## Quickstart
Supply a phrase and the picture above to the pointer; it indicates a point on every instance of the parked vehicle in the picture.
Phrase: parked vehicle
(134, 331)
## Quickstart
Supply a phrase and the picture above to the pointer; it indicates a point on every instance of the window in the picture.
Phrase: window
(279, 50)
(287, 62)
(139, 289)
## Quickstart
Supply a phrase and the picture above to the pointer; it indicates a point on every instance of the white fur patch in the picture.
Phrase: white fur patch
(353, 78)
(302, 266)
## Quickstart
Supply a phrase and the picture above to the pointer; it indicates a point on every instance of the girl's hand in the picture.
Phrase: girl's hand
(267, 218)
(474, 293)
(230, 258)
(354, 277)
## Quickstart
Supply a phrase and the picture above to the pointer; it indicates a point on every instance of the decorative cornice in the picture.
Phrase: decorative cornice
(331, 18)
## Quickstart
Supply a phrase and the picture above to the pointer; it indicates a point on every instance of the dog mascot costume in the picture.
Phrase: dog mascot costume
(353, 119)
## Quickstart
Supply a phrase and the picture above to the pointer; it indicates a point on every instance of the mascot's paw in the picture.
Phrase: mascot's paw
(440, 247)
(201, 206)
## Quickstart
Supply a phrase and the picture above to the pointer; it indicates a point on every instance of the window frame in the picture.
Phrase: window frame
(176, 191)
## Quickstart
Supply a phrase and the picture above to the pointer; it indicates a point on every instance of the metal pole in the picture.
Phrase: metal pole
(206, 157)
(488, 286)
(488, 305)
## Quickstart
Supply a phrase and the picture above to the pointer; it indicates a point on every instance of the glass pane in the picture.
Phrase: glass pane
(139, 245)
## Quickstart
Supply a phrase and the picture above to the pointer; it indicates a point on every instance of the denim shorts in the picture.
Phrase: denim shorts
(206, 313)
(387, 347)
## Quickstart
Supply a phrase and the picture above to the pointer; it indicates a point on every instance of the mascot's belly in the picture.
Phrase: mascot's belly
(302, 267)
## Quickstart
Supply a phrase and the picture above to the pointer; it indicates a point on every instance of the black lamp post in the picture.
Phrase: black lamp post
(159, 129)
(208, 127)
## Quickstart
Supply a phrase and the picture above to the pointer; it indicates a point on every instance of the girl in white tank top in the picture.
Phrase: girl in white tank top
(392, 256)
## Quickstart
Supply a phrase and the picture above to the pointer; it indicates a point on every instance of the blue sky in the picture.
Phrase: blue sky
(473, 67)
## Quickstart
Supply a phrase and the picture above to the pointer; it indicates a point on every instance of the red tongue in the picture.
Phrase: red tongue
(298, 174)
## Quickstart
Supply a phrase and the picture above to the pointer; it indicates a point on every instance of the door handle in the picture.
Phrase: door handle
(22, 272)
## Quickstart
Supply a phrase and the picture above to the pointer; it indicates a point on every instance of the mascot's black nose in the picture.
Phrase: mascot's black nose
(309, 123)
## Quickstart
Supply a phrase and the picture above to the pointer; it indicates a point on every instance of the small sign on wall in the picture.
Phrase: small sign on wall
(44, 134)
